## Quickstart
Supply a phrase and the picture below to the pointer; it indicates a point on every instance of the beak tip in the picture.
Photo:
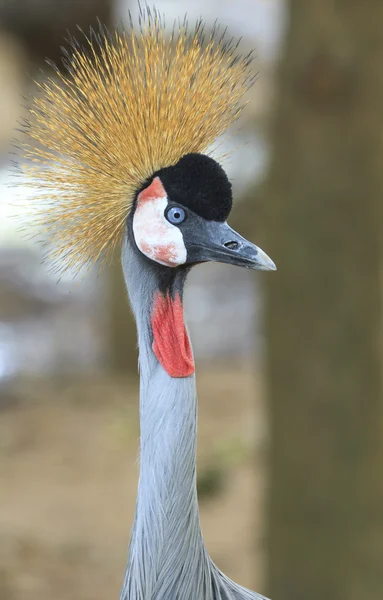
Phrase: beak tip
(269, 267)
(264, 262)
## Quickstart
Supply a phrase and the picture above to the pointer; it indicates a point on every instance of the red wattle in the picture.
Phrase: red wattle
(171, 343)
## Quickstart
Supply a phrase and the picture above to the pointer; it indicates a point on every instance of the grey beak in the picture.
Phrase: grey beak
(216, 241)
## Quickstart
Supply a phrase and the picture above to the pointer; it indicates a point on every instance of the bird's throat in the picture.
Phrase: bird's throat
(171, 344)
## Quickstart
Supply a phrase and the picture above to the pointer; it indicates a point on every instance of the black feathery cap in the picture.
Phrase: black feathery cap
(199, 183)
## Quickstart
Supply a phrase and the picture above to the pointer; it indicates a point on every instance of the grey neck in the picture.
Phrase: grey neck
(167, 556)
(166, 535)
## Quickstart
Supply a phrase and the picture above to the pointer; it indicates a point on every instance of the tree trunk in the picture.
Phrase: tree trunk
(322, 226)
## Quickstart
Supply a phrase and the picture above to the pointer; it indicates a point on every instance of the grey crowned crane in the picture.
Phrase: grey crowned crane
(117, 151)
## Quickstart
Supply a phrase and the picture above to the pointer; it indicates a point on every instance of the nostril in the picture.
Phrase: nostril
(231, 245)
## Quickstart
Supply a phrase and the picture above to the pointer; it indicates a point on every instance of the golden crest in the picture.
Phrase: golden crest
(127, 104)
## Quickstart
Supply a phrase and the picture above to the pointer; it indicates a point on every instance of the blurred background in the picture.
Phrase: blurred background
(289, 364)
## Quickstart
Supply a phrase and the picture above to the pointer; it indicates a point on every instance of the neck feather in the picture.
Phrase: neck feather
(166, 527)
(167, 556)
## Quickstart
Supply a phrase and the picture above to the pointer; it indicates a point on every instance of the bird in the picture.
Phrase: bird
(117, 150)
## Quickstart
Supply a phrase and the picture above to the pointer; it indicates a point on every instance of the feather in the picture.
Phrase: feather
(127, 104)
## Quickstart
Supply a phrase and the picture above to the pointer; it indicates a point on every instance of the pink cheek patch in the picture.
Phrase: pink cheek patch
(155, 237)
(153, 191)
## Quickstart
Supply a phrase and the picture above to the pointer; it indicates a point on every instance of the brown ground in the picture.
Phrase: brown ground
(68, 483)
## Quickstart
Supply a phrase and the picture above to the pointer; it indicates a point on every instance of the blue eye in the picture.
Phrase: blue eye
(175, 215)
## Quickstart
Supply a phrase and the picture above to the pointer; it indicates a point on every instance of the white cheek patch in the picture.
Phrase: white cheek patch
(155, 237)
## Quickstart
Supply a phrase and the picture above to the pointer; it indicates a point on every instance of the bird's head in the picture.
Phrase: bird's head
(179, 218)
(117, 141)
